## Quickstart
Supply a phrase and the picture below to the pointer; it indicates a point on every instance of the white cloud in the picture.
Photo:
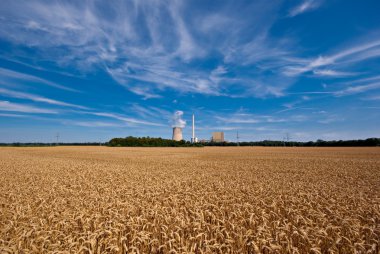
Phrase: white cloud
(331, 119)
(150, 47)
(153, 78)
(13, 115)
(247, 118)
(362, 47)
(177, 119)
(125, 119)
(333, 73)
(7, 76)
(357, 89)
(306, 5)
(215, 22)
(187, 48)
(36, 98)
(359, 52)
(149, 112)
(16, 107)
(372, 98)
(154, 46)
(93, 124)
(350, 90)
(363, 80)
(237, 119)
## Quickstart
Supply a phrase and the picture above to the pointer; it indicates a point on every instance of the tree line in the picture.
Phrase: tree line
(319, 142)
(32, 144)
(150, 142)
(160, 142)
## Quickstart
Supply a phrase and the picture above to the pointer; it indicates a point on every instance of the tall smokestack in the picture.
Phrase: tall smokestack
(193, 136)
(177, 134)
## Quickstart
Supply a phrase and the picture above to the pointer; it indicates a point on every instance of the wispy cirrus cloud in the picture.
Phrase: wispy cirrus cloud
(372, 98)
(356, 53)
(149, 112)
(37, 98)
(292, 108)
(93, 124)
(123, 118)
(331, 119)
(304, 6)
(333, 73)
(10, 76)
(351, 88)
(25, 108)
(357, 89)
(248, 119)
(239, 119)
(152, 47)
(271, 124)
(157, 78)
(13, 115)
(365, 80)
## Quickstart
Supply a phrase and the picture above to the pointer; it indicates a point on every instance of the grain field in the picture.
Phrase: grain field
(189, 200)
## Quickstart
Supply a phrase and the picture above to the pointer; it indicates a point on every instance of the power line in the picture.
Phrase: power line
(287, 138)
(57, 138)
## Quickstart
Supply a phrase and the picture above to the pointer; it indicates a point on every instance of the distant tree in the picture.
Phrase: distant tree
(150, 142)
(319, 142)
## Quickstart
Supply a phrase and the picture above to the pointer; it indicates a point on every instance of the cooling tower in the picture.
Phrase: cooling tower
(177, 134)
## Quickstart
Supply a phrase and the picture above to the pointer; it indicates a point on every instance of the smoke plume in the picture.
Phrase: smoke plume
(177, 120)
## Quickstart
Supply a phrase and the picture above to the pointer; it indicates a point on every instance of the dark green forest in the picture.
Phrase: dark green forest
(150, 142)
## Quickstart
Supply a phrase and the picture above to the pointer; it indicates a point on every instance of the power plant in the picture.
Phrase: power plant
(177, 134)
(217, 137)
(179, 124)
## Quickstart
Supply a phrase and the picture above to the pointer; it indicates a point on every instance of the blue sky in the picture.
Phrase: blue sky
(94, 70)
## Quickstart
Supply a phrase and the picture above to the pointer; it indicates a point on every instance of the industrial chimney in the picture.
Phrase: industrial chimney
(177, 134)
(193, 138)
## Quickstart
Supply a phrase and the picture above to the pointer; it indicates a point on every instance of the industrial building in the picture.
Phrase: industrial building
(177, 134)
(217, 136)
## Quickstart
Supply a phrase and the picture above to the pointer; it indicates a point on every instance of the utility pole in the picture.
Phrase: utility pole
(287, 138)
(57, 138)
(237, 138)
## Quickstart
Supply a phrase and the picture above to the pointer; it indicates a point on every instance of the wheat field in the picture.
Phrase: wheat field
(189, 200)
